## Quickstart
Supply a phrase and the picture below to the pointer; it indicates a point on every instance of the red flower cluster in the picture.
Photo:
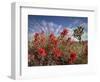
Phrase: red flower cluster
(57, 52)
(36, 35)
(73, 58)
(53, 40)
(64, 32)
(49, 49)
(39, 40)
(42, 52)
(35, 40)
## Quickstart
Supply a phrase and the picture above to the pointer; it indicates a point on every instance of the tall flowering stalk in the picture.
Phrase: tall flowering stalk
(53, 40)
(73, 57)
(42, 52)
(57, 52)
(64, 32)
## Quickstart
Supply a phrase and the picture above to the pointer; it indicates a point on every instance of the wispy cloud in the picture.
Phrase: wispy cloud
(51, 27)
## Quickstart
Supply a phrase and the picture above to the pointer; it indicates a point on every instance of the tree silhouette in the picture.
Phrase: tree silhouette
(78, 32)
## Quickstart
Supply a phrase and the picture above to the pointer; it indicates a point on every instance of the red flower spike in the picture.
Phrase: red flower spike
(42, 52)
(57, 52)
(53, 40)
(64, 32)
(36, 35)
(73, 58)
(52, 35)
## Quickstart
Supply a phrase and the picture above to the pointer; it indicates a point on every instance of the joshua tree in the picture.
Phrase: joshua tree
(78, 32)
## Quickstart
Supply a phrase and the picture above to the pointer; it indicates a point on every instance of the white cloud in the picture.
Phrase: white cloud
(58, 29)
(51, 27)
(84, 36)
(54, 28)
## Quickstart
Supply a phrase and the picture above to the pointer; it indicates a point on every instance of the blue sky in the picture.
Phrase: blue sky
(55, 24)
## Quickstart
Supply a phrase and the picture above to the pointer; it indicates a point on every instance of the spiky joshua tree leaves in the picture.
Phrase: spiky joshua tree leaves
(78, 32)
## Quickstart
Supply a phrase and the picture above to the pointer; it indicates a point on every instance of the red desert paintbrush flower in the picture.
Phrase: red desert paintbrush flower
(64, 32)
(43, 39)
(53, 39)
(42, 52)
(36, 35)
(57, 52)
(73, 57)
(39, 40)
(51, 36)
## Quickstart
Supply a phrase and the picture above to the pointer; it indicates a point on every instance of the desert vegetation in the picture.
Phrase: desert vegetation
(50, 49)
